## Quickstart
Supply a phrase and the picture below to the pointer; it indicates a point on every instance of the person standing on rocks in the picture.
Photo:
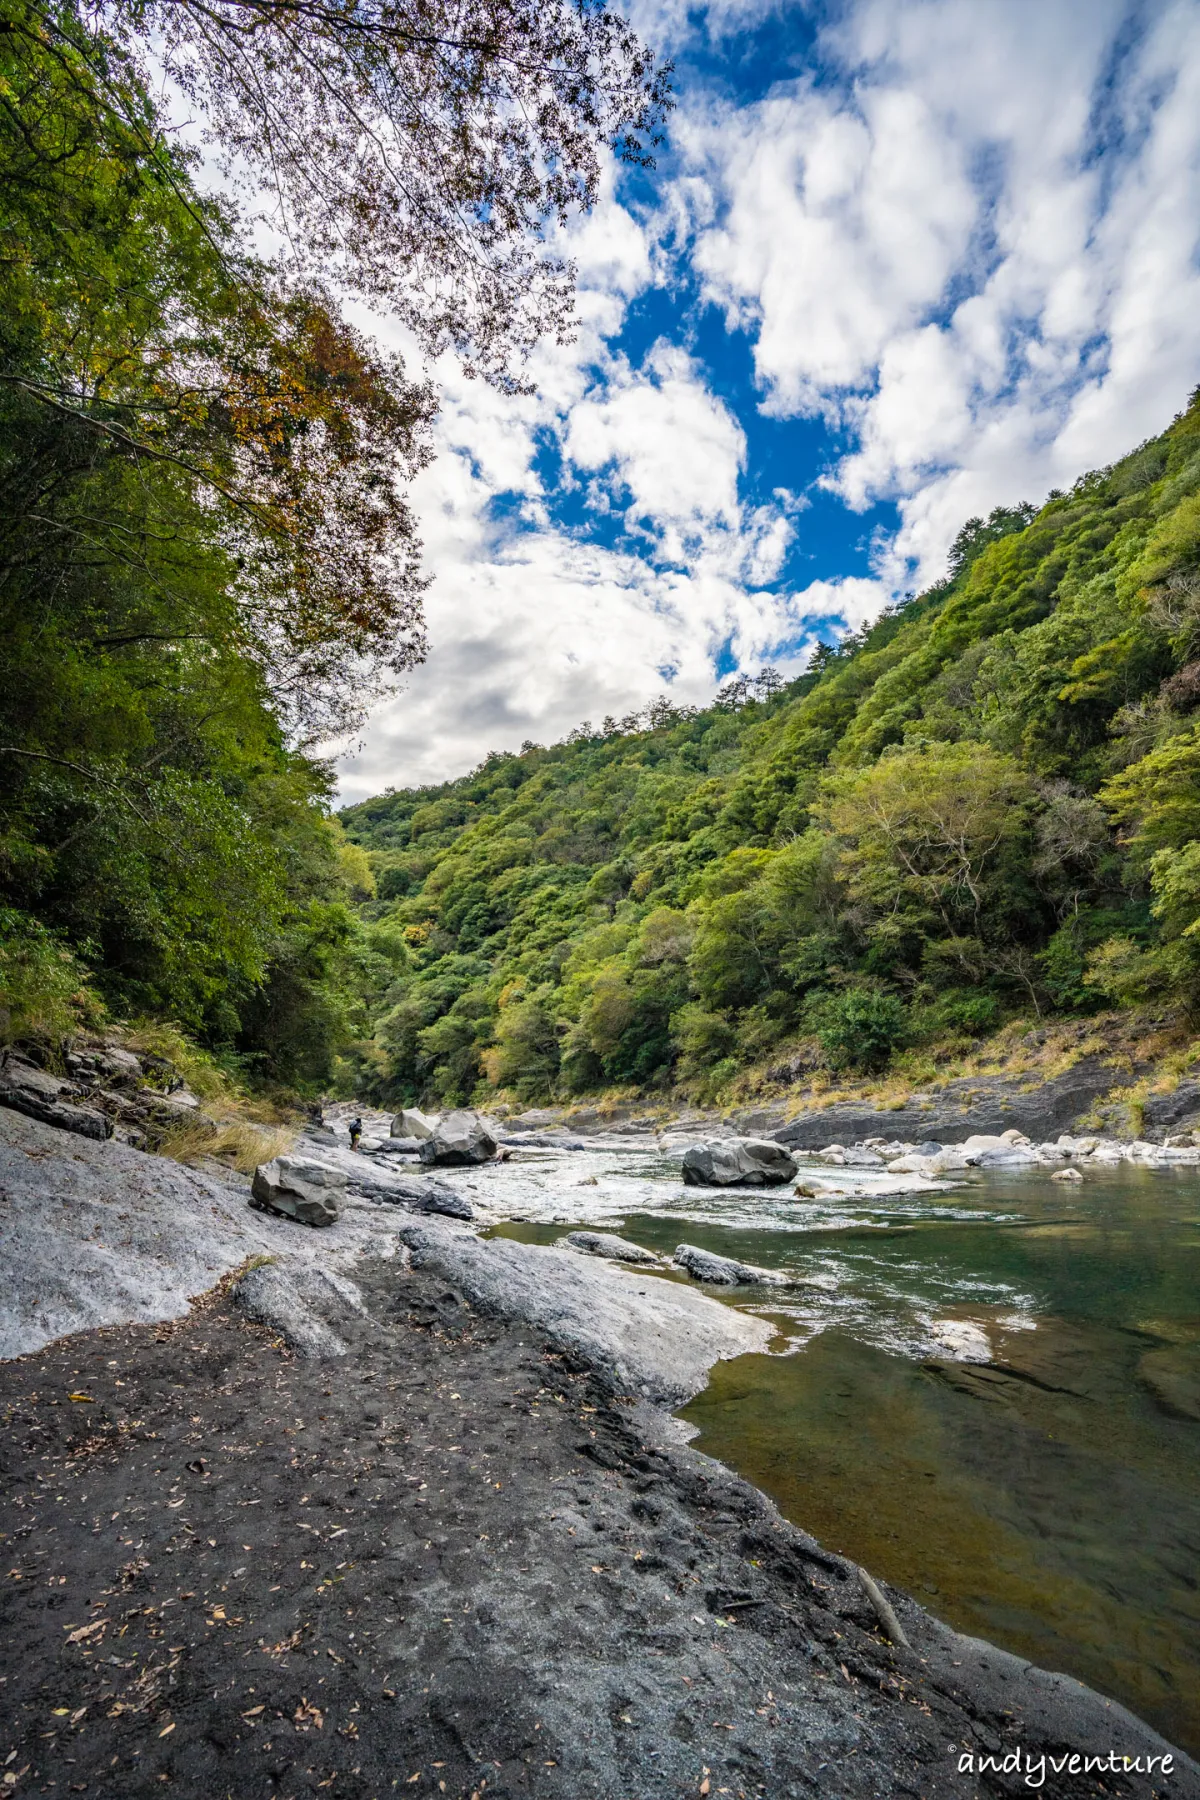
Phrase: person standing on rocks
(355, 1133)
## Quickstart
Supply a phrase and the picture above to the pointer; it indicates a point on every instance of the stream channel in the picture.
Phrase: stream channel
(987, 1392)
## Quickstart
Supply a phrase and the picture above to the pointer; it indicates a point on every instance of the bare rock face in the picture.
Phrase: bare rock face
(458, 1140)
(297, 1188)
(47, 1097)
(737, 1162)
(410, 1123)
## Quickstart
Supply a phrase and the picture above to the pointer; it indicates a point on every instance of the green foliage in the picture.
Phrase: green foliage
(203, 542)
(860, 1029)
(986, 803)
(44, 988)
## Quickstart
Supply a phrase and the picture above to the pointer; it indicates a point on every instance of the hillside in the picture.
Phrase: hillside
(985, 806)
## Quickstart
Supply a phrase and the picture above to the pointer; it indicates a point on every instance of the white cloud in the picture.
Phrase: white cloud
(530, 628)
(672, 444)
(976, 247)
(967, 239)
(839, 223)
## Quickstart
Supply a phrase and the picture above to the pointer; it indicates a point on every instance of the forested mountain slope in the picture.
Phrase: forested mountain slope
(208, 563)
(986, 804)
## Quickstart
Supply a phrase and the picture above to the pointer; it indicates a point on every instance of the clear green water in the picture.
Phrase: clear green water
(990, 1397)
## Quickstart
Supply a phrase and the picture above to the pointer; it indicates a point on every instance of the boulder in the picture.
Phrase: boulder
(725, 1271)
(737, 1162)
(47, 1097)
(438, 1198)
(409, 1123)
(612, 1248)
(1066, 1175)
(858, 1156)
(458, 1140)
(296, 1187)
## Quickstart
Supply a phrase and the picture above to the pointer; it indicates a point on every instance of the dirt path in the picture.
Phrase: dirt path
(445, 1563)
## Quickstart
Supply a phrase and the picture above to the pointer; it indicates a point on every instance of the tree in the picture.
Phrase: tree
(419, 150)
(925, 833)
(861, 1028)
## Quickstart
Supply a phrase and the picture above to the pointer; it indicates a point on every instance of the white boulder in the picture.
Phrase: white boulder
(458, 1140)
(410, 1123)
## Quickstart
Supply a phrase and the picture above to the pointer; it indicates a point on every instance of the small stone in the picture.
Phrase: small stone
(725, 1271)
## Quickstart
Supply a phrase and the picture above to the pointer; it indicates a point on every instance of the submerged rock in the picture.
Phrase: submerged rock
(737, 1162)
(458, 1140)
(725, 1271)
(298, 1188)
(608, 1245)
(1066, 1175)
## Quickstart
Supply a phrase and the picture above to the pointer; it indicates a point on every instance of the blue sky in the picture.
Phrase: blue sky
(900, 261)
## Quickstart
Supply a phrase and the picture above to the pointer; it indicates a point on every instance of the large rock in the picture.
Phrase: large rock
(409, 1123)
(48, 1097)
(737, 1162)
(458, 1140)
(609, 1246)
(296, 1187)
(725, 1271)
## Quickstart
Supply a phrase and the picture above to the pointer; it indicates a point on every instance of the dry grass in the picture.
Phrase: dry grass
(240, 1144)
(1032, 1050)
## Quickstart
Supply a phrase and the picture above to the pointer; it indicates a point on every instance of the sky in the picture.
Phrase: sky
(900, 261)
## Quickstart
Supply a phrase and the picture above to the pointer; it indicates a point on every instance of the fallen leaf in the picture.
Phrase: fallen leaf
(167, 1729)
(87, 1631)
(87, 1399)
(253, 1713)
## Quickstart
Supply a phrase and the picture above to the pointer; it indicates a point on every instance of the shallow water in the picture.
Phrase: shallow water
(990, 1392)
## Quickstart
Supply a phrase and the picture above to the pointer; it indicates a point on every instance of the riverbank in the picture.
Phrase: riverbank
(1122, 1075)
(468, 1548)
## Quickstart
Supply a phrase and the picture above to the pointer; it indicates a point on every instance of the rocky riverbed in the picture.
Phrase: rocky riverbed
(399, 1508)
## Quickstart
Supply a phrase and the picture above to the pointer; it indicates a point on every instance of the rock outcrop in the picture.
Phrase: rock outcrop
(958, 1109)
(458, 1140)
(737, 1162)
(297, 1187)
(40, 1095)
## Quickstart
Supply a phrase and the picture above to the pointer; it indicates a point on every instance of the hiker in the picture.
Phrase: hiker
(355, 1133)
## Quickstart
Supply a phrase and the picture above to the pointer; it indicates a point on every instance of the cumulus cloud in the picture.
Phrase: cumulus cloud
(964, 238)
(973, 243)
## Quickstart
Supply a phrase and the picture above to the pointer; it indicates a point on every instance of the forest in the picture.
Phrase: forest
(985, 806)
(208, 563)
(982, 807)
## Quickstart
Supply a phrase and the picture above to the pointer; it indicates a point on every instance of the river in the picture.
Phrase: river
(988, 1392)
